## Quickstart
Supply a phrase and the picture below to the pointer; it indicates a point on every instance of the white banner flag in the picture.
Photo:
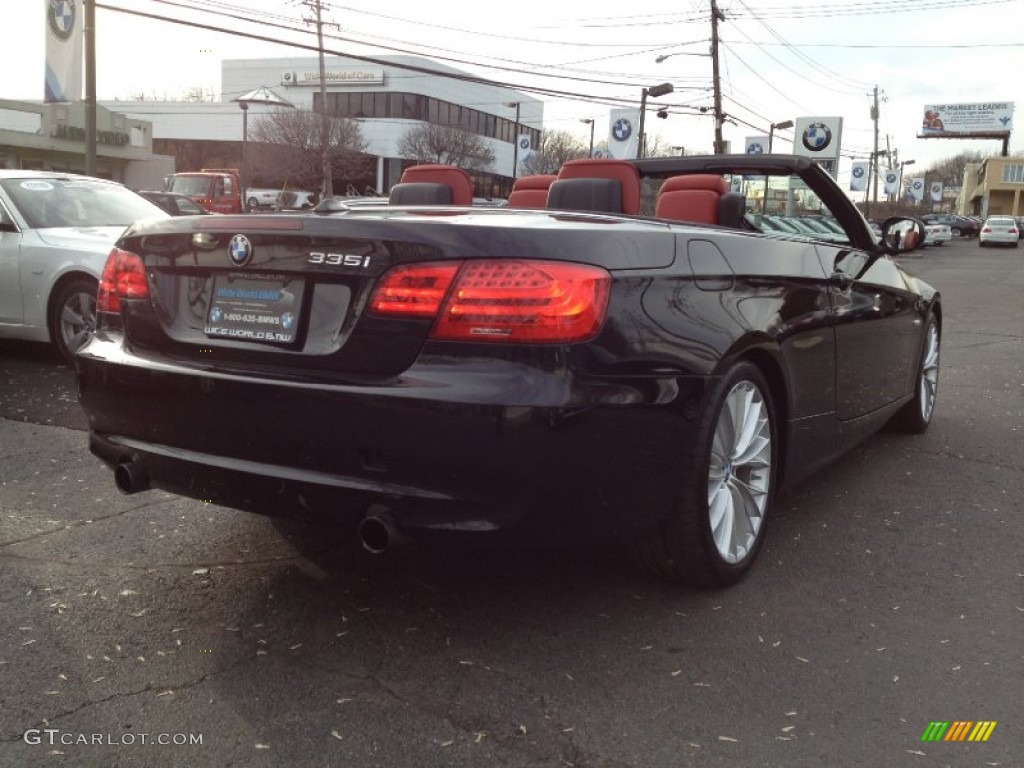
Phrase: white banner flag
(64, 43)
(935, 191)
(524, 149)
(859, 176)
(623, 128)
(892, 180)
(916, 191)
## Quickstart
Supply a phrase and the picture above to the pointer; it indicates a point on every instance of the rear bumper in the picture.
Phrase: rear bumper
(446, 447)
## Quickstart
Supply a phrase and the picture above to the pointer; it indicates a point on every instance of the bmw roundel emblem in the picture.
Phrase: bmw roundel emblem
(858, 172)
(240, 250)
(817, 137)
(287, 321)
(755, 148)
(524, 143)
(622, 129)
(61, 17)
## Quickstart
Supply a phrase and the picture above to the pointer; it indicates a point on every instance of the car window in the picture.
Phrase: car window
(61, 202)
(782, 205)
(185, 205)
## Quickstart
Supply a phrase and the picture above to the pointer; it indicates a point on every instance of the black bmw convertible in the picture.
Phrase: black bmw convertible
(621, 352)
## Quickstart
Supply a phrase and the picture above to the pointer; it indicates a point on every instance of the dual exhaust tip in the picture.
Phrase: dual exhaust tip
(378, 532)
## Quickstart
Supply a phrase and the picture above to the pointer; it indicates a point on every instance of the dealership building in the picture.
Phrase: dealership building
(388, 97)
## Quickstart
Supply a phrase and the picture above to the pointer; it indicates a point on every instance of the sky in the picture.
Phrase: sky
(778, 61)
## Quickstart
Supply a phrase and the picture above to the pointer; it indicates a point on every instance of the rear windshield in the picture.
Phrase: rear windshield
(60, 202)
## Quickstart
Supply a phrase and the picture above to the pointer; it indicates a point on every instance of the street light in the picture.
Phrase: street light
(515, 139)
(678, 53)
(771, 137)
(590, 121)
(779, 126)
(655, 91)
(265, 97)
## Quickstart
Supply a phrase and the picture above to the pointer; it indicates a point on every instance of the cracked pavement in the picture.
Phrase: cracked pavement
(890, 593)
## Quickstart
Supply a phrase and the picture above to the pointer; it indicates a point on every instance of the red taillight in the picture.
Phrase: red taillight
(500, 300)
(414, 290)
(986, 229)
(124, 277)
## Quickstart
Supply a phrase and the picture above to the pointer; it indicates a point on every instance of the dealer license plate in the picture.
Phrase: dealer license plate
(255, 307)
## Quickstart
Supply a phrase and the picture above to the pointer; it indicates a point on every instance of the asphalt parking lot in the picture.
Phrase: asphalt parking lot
(890, 595)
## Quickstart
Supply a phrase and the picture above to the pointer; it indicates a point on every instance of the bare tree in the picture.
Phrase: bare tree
(198, 93)
(430, 143)
(293, 155)
(951, 170)
(555, 148)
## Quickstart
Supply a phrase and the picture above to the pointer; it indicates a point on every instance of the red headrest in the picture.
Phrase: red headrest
(622, 171)
(531, 191)
(693, 197)
(708, 181)
(456, 178)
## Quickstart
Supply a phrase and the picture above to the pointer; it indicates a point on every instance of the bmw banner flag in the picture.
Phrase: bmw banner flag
(524, 150)
(892, 179)
(859, 176)
(916, 191)
(64, 45)
(623, 138)
(935, 191)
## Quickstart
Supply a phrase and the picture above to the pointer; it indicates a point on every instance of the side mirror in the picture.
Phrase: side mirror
(902, 234)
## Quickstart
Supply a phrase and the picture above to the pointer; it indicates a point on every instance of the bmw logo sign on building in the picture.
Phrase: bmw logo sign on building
(858, 171)
(240, 250)
(755, 149)
(819, 137)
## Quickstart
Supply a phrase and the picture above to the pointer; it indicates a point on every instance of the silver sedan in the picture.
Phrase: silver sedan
(56, 231)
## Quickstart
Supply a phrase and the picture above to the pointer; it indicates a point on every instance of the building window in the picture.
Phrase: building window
(1013, 174)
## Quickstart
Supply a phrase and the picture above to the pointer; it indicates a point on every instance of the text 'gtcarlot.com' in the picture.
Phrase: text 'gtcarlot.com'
(54, 737)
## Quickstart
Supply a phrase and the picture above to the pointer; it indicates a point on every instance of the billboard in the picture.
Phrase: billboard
(954, 120)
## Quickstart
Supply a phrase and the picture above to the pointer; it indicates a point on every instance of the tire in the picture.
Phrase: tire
(715, 529)
(73, 316)
(955, 231)
(915, 416)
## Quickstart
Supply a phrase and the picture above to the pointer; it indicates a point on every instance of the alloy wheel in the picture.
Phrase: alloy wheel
(929, 383)
(77, 319)
(739, 473)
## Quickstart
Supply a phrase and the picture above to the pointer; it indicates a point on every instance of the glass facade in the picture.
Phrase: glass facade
(414, 106)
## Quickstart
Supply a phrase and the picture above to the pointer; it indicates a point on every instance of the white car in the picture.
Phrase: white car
(937, 234)
(999, 230)
(56, 231)
(285, 199)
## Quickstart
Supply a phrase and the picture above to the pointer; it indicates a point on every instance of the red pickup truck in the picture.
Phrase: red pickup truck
(217, 190)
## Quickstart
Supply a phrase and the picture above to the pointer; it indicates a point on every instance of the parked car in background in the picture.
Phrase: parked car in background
(647, 369)
(936, 234)
(56, 231)
(279, 199)
(218, 190)
(174, 203)
(999, 230)
(959, 226)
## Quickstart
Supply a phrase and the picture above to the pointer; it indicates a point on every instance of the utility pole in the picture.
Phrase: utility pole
(874, 154)
(90, 87)
(716, 16)
(327, 183)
